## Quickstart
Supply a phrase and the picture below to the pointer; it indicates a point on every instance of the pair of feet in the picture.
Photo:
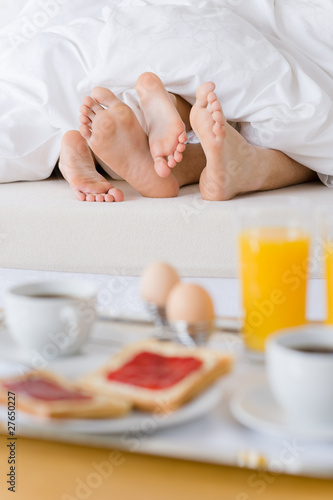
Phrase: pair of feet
(110, 129)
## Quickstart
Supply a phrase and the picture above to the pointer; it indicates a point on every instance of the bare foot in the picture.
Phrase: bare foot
(166, 130)
(116, 137)
(231, 167)
(78, 168)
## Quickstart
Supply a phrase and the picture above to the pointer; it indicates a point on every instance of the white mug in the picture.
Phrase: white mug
(51, 318)
(301, 378)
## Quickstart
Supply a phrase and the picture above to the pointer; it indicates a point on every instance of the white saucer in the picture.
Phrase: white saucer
(255, 407)
(136, 422)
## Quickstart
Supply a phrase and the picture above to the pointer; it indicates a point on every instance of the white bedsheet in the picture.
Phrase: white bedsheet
(272, 63)
(9, 10)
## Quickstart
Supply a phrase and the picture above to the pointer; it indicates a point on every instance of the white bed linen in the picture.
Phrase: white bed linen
(271, 62)
(9, 10)
(42, 226)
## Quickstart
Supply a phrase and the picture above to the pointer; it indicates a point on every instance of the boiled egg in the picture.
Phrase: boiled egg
(189, 302)
(157, 281)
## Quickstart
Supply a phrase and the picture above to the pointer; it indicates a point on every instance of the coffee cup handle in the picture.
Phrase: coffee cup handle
(69, 318)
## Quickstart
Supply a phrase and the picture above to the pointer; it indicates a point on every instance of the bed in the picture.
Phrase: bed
(43, 229)
(45, 232)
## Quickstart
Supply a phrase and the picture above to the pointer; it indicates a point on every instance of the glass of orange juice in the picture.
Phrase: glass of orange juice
(328, 228)
(274, 246)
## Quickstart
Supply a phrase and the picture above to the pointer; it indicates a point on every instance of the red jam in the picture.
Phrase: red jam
(39, 388)
(154, 371)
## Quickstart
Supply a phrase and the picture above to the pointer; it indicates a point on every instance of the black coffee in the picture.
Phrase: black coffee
(316, 349)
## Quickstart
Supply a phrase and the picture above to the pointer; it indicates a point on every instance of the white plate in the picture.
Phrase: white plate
(136, 422)
(255, 407)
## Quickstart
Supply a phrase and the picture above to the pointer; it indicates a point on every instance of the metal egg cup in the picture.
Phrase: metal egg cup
(190, 335)
(159, 318)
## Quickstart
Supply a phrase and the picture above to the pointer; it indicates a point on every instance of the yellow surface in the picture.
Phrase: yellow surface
(54, 471)
(273, 274)
(329, 282)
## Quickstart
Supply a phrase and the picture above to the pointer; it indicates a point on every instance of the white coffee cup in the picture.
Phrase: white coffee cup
(51, 318)
(300, 376)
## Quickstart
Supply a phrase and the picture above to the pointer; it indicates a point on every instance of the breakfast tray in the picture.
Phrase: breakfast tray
(208, 429)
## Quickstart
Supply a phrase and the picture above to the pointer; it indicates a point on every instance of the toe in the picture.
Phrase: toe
(109, 198)
(161, 167)
(181, 148)
(117, 194)
(80, 196)
(86, 111)
(216, 106)
(177, 157)
(218, 116)
(171, 161)
(202, 93)
(211, 97)
(93, 105)
(99, 197)
(182, 138)
(85, 120)
(104, 96)
(88, 101)
(90, 197)
(85, 132)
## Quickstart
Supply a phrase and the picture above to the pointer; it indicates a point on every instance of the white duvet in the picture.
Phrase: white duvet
(272, 62)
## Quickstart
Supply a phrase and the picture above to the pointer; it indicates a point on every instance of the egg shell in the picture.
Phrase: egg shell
(189, 302)
(157, 281)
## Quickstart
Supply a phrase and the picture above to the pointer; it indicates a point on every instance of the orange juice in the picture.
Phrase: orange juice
(329, 282)
(274, 275)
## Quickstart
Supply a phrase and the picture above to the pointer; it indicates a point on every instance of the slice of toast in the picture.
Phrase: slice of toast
(44, 394)
(131, 372)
